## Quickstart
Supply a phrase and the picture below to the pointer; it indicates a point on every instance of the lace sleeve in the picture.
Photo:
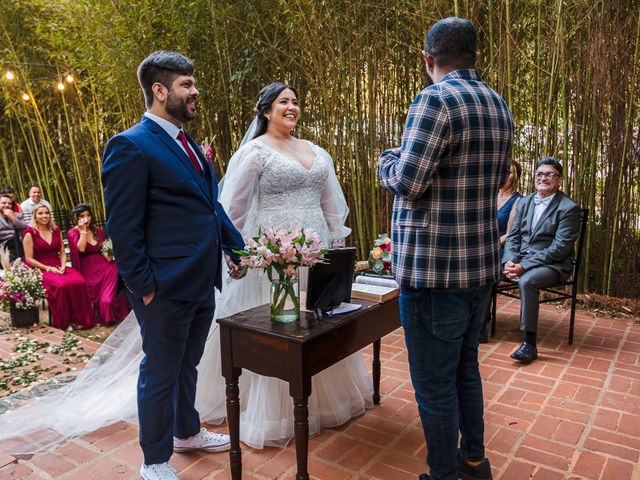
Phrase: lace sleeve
(239, 187)
(334, 205)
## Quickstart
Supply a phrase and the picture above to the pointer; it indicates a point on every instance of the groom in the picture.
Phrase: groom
(168, 232)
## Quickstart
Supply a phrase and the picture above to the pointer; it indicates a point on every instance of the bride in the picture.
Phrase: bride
(273, 179)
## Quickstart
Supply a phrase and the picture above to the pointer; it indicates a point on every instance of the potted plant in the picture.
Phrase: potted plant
(21, 293)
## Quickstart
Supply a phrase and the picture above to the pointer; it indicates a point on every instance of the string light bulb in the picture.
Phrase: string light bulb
(9, 75)
(25, 97)
(69, 78)
(60, 86)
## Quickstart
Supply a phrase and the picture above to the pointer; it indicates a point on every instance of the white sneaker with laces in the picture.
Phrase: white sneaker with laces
(203, 440)
(158, 471)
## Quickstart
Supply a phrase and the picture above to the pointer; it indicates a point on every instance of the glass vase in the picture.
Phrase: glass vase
(285, 300)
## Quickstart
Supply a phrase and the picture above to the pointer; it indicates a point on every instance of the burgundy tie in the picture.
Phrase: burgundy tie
(183, 139)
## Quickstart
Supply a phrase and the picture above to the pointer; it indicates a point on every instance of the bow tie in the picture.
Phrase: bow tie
(544, 201)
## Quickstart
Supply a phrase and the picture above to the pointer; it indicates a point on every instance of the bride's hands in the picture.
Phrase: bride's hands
(235, 271)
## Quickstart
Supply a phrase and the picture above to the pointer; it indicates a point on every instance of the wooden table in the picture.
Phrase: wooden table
(295, 352)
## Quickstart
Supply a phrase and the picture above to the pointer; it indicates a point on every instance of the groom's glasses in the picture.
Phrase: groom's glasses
(549, 175)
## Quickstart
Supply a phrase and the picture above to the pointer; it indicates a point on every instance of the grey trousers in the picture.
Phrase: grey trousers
(530, 284)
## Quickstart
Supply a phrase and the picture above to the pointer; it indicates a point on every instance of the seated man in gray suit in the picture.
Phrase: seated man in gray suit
(539, 248)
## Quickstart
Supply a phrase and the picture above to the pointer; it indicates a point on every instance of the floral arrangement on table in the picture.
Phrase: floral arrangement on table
(107, 247)
(279, 253)
(380, 255)
(21, 287)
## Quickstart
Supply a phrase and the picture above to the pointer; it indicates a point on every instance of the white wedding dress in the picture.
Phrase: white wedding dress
(261, 188)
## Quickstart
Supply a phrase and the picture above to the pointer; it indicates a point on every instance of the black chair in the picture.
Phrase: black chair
(64, 219)
(509, 288)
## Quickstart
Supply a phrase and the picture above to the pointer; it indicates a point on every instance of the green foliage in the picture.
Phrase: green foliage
(569, 70)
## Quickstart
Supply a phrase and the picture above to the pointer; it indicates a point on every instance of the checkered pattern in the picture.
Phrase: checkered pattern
(445, 177)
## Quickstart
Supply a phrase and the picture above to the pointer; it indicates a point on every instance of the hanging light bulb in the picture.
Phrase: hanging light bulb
(9, 75)
(60, 86)
(25, 97)
(69, 78)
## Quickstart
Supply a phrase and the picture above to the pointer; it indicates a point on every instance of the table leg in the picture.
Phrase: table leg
(233, 419)
(301, 429)
(376, 371)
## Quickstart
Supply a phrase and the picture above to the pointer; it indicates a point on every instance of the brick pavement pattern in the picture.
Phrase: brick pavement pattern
(572, 414)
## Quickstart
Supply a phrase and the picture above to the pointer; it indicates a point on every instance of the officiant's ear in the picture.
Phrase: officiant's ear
(428, 61)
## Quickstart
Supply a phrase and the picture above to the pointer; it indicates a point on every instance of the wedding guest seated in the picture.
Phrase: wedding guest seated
(539, 248)
(15, 205)
(99, 270)
(35, 199)
(11, 224)
(67, 293)
(508, 198)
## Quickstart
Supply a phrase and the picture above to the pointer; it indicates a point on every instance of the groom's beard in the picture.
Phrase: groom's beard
(178, 108)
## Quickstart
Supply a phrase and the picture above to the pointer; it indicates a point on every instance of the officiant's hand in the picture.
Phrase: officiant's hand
(235, 271)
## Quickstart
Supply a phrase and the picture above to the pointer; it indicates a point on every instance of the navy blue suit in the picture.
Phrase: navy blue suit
(168, 232)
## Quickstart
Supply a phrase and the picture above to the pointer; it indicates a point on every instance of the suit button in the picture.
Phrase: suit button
(215, 213)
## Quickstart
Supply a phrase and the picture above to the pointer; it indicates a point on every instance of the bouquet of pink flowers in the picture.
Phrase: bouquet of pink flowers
(279, 253)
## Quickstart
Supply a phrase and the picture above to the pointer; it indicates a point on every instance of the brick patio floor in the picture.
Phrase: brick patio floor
(572, 414)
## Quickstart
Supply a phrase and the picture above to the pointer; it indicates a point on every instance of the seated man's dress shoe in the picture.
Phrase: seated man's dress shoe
(527, 353)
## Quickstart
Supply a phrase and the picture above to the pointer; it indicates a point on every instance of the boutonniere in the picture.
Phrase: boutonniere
(207, 151)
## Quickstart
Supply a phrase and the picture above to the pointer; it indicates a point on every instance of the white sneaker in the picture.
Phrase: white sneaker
(158, 471)
(203, 440)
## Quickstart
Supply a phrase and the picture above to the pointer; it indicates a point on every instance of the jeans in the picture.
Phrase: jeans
(441, 328)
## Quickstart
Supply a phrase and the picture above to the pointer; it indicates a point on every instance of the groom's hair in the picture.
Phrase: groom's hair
(162, 67)
(452, 42)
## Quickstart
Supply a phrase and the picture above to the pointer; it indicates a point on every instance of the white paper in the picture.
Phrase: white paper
(345, 308)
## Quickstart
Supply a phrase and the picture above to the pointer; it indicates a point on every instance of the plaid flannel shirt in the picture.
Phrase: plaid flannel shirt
(445, 177)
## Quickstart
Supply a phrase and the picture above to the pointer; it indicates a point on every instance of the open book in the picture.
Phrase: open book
(374, 293)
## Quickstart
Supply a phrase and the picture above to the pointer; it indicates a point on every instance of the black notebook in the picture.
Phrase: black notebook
(330, 283)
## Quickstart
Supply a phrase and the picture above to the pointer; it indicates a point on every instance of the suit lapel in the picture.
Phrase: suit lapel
(207, 177)
(531, 207)
(180, 154)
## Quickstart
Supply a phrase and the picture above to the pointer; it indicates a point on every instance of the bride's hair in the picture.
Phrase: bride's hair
(266, 97)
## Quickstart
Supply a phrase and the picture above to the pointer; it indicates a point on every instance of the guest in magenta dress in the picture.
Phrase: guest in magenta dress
(98, 268)
(67, 293)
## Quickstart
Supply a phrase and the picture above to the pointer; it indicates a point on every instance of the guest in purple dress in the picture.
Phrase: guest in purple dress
(98, 268)
(67, 293)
